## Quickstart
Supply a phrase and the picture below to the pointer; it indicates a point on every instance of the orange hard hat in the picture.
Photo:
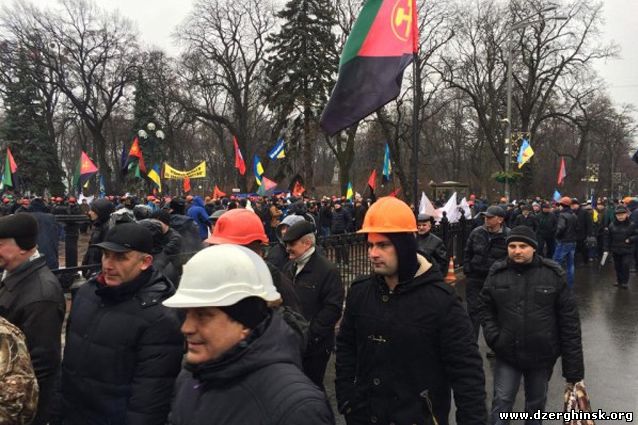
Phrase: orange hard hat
(627, 199)
(72, 199)
(189, 198)
(238, 226)
(150, 198)
(565, 200)
(389, 215)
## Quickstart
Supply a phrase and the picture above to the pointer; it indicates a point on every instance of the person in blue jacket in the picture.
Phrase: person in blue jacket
(198, 213)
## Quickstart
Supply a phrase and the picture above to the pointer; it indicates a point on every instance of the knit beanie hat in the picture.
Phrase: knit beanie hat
(405, 245)
(523, 234)
(250, 311)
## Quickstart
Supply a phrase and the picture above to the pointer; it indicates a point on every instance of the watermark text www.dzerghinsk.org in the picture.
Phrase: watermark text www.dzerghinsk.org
(597, 415)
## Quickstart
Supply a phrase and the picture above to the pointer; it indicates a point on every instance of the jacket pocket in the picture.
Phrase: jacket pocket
(544, 296)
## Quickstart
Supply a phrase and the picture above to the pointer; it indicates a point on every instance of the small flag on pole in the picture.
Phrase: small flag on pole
(187, 184)
(525, 153)
(562, 172)
(387, 164)
(217, 193)
(239, 159)
(154, 176)
(372, 180)
(349, 191)
(556, 196)
(278, 152)
(258, 169)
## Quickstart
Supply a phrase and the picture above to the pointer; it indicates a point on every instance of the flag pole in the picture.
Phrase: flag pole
(415, 128)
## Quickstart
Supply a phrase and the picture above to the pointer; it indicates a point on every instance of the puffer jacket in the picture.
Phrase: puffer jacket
(567, 227)
(123, 352)
(483, 249)
(258, 382)
(530, 318)
(617, 234)
(400, 352)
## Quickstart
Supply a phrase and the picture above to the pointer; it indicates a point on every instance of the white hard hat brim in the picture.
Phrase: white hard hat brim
(193, 299)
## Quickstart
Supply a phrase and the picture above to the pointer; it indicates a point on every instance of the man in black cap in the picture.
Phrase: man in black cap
(32, 299)
(123, 347)
(318, 286)
(430, 244)
(528, 341)
(485, 245)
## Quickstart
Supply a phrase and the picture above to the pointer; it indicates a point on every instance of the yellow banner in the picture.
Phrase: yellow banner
(196, 173)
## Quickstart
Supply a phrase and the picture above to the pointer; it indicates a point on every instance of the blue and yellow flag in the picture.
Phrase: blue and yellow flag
(525, 153)
(278, 152)
(387, 164)
(258, 169)
(154, 175)
(349, 191)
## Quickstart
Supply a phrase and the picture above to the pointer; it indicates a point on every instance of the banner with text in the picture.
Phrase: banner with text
(196, 173)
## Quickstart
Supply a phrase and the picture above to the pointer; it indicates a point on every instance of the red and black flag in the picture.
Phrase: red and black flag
(135, 154)
(381, 45)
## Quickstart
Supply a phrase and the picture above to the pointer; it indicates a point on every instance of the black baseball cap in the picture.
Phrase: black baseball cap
(127, 237)
(494, 211)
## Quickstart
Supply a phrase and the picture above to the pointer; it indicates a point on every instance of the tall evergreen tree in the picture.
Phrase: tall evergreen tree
(301, 68)
(24, 128)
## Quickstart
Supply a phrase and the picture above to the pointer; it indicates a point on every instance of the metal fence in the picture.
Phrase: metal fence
(348, 251)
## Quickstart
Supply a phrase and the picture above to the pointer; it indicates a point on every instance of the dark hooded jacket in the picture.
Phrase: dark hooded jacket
(103, 208)
(530, 318)
(48, 232)
(123, 352)
(400, 352)
(198, 213)
(258, 382)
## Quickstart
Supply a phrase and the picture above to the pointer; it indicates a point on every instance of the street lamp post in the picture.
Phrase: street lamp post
(508, 120)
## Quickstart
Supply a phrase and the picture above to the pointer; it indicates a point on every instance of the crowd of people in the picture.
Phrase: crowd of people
(198, 310)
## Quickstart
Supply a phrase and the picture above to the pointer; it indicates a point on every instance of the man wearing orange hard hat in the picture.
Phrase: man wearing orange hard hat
(405, 331)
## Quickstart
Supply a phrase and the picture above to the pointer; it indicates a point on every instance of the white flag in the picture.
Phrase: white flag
(467, 212)
(426, 207)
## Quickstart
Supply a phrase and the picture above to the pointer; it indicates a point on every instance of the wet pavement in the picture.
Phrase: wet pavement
(609, 321)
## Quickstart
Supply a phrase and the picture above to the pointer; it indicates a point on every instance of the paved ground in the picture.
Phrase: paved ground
(609, 318)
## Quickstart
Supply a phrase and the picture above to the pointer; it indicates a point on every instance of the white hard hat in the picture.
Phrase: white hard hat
(223, 275)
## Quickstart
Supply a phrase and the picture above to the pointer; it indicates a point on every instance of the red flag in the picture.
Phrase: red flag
(268, 184)
(136, 152)
(372, 180)
(12, 163)
(217, 193)
(239, 159)
(187, 184)
(562, 172)
(395, 192)
(86, 165)
(298, 189)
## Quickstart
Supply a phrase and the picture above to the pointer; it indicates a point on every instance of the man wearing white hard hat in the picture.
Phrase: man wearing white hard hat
(242, 365)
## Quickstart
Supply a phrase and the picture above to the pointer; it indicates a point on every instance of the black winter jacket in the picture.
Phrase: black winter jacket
(547, 225)
(341, 221)
(530, 318)
(585, 223)
(257, 383)
(433, 248)
(400, 351)
(617, 233)
(32, 299)
(320, 293)
(567, 227)
(123, 352)
(529, 221)
(483, 249)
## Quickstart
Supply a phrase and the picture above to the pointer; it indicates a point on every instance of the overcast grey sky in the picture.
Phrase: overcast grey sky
(157, 19)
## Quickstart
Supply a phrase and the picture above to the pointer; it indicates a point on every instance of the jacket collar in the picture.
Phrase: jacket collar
(12, 280)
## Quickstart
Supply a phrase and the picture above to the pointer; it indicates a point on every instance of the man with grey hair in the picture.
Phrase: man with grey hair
(318, 285)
